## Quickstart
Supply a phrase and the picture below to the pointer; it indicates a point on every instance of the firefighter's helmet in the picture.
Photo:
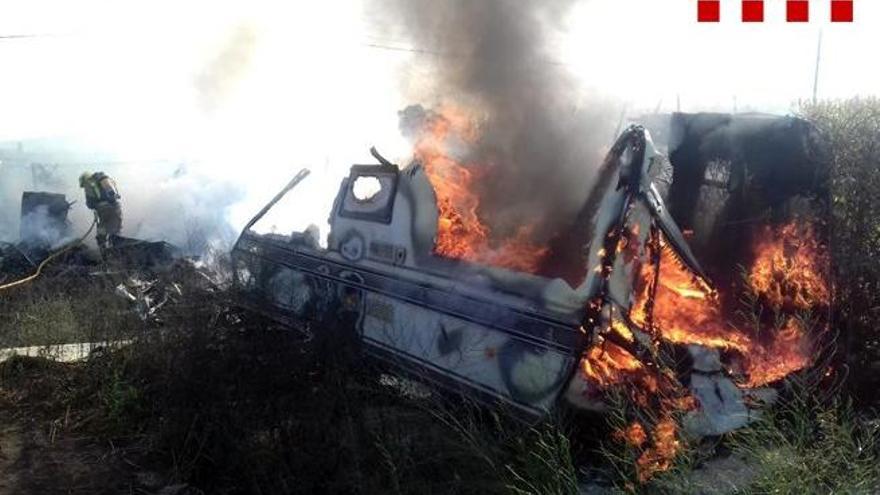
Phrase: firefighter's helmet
(84, 178)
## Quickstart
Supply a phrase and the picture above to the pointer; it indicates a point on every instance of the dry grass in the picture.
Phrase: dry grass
(227, 401)
(811, 443)
(59, 310)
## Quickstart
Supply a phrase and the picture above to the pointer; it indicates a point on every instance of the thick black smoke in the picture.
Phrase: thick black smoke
(541, 132)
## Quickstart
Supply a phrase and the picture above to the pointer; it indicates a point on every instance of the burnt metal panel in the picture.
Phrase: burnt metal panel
(539, 329)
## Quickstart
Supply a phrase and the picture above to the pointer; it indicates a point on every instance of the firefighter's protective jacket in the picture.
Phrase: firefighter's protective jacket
(100, 188)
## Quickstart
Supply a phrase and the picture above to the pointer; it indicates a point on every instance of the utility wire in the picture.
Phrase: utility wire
(378, 44)
(33, 35)
(424, 51)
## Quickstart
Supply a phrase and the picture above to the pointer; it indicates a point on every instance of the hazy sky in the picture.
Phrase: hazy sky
(765, 65)
(250, 91)
(112, 67)
(107, 69)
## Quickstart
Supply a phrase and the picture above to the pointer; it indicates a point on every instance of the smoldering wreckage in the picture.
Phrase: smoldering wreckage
(45, 234)
(639, 295)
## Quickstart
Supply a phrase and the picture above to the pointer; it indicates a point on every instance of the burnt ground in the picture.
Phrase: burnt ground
(78, 427)
(203, 397)
(34, 460)
(44, 449)
(207, 398)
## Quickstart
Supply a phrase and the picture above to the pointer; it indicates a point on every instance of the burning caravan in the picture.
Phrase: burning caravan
(623, 290)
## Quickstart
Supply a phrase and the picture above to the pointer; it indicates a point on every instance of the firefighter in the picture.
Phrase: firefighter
(103, 198)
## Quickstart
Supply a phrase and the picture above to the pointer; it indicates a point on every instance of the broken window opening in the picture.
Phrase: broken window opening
(366, 188)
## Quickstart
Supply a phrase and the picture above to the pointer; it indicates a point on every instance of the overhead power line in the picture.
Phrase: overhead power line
(33, 35)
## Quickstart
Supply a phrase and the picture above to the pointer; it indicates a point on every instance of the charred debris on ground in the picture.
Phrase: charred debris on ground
(206, 395)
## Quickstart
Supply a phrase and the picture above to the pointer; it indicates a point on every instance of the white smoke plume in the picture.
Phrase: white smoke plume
(199, 121)
(38, 228)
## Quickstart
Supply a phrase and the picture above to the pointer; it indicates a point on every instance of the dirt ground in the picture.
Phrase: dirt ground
(10, 456)
(37, 457)
(43, 455)
(44, 450)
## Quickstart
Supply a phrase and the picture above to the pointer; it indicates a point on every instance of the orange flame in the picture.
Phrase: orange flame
(461, 233)
(684, 312)
(664, 447)
(634, 435)
(788, 352)
(787, 273)
(787, 268)
(609, 364)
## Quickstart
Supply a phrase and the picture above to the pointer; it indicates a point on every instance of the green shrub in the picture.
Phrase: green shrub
(852, 131)
(122, 401)
(542, 463)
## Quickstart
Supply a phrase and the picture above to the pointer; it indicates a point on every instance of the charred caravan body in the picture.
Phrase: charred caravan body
(499, 334)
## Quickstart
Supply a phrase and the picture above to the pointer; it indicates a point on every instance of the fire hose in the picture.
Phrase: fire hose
(49, 258)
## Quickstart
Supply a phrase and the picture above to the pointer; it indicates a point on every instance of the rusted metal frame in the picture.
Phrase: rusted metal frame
(655, 248)
(635, 135)
(612, 238)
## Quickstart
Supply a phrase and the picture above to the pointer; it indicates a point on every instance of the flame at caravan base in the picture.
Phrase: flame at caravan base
(786, 275)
